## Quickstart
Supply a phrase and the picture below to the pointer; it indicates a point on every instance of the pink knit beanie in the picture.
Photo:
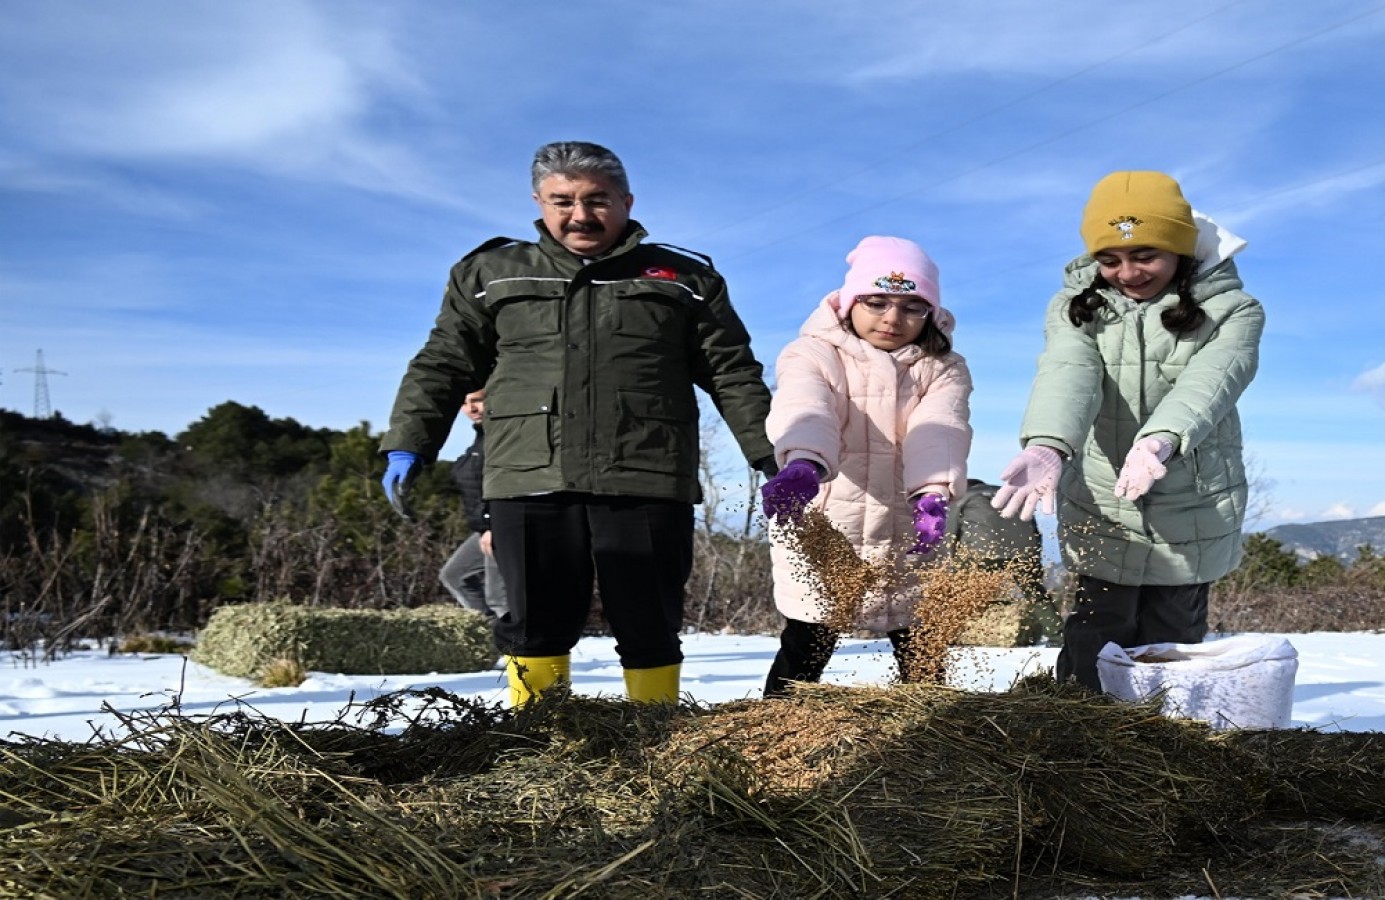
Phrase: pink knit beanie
(888, 265)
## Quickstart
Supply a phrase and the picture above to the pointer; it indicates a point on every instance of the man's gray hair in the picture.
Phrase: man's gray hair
(577, 158)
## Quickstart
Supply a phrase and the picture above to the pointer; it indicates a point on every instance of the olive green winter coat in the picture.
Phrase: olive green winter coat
(1103, 385)
(589, 369)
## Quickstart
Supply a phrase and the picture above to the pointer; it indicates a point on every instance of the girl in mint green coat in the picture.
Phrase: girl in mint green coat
(1132, 426)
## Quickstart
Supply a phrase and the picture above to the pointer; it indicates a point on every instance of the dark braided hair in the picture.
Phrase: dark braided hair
(1186, 316)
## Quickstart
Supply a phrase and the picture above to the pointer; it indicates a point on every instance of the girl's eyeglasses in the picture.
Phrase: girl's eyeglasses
(915, 310)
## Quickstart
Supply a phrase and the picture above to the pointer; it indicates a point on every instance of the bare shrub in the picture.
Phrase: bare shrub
(1297, 609)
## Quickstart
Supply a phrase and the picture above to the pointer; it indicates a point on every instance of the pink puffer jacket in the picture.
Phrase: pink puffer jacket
(885, 426)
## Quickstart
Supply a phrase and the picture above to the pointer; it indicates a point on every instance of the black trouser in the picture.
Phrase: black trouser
(550, 549)
(1128, 615)
(805, 649)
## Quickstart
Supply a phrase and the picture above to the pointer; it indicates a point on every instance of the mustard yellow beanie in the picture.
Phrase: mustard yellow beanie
(1138, 209)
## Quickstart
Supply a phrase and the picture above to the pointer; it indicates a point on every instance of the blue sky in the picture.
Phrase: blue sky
(259, 201)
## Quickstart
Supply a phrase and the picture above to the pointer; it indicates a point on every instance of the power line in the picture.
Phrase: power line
(42, 408)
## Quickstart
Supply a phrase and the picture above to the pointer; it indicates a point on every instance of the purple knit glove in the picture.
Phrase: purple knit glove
(787, 494)
(930, 521)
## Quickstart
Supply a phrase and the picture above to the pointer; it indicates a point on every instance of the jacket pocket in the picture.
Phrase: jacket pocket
(519, 428)
(1212, 470)
(525, 308)
(655, 432)
(653, 310)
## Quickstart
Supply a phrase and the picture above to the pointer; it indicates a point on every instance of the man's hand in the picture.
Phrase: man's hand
(400, 473)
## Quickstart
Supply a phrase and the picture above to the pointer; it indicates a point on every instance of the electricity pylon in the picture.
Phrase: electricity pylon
(42, 408)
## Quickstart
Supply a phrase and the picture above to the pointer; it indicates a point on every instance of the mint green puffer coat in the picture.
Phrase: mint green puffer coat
(1124, 376)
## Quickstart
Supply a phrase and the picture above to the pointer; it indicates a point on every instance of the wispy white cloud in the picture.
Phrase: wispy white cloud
(1338, 511)
(1378, 509)
(1372, 382)
(286, 88)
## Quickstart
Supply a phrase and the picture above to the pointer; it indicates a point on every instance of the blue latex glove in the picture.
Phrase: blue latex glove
(400, 473)
(930, 521)
(788, 493)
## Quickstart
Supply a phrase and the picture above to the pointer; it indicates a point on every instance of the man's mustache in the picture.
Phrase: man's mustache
(587, 227)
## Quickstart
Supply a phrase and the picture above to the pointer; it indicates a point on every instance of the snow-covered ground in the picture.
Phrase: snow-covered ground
(1340, 683)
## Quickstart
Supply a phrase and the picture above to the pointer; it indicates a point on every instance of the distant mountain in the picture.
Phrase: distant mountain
(1339, 538)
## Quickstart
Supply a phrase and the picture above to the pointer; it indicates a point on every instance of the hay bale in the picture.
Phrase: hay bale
(1122, 789)
(243, 640)
(1072, 778)
(918, 791)
(1326, 775)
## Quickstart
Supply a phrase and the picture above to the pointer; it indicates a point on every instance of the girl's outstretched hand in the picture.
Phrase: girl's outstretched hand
(930, 521)
(1030, 479)
(1144, 465)
(788, 493)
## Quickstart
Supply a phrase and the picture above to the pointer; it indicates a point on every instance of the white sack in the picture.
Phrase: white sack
(1245, 681)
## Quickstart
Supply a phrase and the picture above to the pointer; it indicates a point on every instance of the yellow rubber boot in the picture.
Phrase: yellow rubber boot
(530, 676)
(657, 685)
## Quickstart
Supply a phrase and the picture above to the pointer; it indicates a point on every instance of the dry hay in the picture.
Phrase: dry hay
(918, 791)
(1321, 775)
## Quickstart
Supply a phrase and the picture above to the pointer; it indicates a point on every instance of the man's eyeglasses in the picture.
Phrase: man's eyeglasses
(878, 306)
(590, 204)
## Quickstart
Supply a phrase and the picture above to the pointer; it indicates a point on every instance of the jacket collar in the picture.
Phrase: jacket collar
(634, 233)
(1207, 282)
(826, 325)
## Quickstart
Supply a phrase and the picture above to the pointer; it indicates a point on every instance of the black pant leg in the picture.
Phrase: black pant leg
(543, 550)
(1173, 614)
(643, 552)
(1104, 612)
(805, 649)
(901, 640)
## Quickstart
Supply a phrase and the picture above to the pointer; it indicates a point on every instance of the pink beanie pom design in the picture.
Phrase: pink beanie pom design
(888, 265)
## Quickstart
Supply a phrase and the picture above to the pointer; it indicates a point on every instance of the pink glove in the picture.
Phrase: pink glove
(787, 494)
(930, 519)
(1031, 477)
(1144, 465)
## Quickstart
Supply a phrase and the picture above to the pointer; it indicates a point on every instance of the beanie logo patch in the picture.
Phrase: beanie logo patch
(1126, 226)
(895, 283)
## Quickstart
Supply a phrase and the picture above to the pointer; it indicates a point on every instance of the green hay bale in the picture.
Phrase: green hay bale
(243, 640)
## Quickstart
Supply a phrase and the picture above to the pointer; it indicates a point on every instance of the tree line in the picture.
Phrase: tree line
(105, 534)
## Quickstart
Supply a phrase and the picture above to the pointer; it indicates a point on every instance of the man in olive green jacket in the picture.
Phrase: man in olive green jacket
(589, 344)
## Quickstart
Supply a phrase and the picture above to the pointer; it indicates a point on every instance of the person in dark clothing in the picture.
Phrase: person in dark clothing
(470, 573)
(991, 541)
(591, 345)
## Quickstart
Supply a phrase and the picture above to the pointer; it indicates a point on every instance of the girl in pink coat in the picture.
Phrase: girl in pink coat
(870, 424)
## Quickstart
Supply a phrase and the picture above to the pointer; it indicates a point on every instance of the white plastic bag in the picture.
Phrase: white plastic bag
(1245, 681)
